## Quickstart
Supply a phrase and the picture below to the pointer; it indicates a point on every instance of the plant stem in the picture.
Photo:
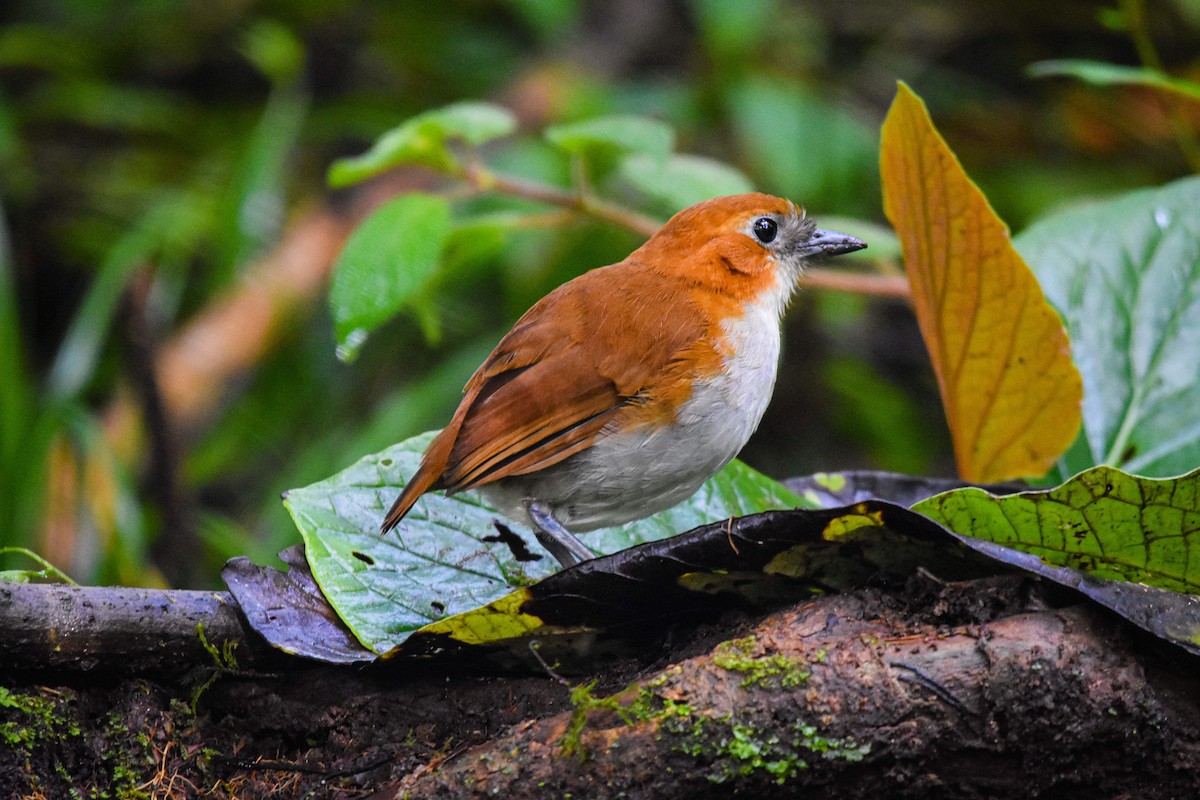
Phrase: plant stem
(594, 207)
(484, 179)
(857, 283)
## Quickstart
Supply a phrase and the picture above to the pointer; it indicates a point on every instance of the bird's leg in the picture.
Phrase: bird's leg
(561, 543)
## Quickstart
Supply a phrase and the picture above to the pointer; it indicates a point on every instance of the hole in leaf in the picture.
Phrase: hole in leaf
(387, 462)
(516, 545)
(439, 606)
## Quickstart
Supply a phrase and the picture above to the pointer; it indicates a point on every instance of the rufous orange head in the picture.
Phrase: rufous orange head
(616, 395)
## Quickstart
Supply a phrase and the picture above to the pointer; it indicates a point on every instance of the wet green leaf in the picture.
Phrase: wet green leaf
(385, 264)
(682, 180)
(618, 133)
(1129, 543)
(1125, 276)
(423, 140)
(1103, 522)
(801, 144)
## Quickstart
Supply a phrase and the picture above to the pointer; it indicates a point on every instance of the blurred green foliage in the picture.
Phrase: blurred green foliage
(169, 145)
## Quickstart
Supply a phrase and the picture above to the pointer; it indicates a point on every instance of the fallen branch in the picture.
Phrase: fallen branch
(80, 628)
(834, 699)
(949, 690)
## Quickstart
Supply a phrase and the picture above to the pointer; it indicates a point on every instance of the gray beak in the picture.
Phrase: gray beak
(830, 243)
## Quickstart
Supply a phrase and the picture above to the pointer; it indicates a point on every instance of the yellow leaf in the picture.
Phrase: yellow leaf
(1002, 359)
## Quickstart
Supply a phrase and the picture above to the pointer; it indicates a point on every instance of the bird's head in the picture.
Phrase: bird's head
(742, 244)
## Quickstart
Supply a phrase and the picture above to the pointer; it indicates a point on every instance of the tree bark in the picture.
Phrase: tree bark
(834, 699)
(79, 628)
(943, 690)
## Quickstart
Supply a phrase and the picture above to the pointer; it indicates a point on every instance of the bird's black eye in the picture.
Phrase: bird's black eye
(765, 229)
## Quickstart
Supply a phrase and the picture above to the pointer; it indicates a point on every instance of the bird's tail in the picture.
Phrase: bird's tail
(428, 476)
(420, 483)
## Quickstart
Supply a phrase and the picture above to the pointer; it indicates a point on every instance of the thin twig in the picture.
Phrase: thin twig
(533, 648)
(857, 282)
(483, 179)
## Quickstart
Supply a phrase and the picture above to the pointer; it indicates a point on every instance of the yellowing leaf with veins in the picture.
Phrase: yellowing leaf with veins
(1002, 359)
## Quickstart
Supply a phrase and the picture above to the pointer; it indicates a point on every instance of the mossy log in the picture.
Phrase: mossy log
(943, 690)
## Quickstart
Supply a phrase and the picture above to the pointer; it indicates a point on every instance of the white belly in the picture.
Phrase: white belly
(631, 475)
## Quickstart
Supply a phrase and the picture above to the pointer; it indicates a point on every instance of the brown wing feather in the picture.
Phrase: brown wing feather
(562, 374)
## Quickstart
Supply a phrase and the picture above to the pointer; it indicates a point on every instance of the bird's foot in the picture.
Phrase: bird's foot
(561, 543)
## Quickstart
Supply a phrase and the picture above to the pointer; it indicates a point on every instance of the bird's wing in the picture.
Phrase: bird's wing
(564, 372)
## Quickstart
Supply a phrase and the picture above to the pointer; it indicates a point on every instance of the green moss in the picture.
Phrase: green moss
(43, 724)
(124, 752)
(582, 704)
(737, 748)
(36, 723)
(737, 655)
(734, 747)
(225, 660)
(33, 719)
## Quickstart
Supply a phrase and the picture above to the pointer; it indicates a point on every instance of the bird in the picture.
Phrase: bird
(620, 392)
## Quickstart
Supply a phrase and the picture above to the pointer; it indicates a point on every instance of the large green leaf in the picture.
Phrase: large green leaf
(1125, 275)
(423, 140)
(447, 557)
(617, 133)
(682, 180)
(801, 144)
(1102, 522)
(385, 264)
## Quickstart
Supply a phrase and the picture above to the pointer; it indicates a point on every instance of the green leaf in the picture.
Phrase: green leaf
(731, 30)
(550, 20)
(435, 563)
(1100, 73)
(617, 133)
(1102, 522)
(801, 145)
(682, 180)
(274, 49)
(446, 556)
(385, 264)
(1125, 276)
(48, 572)
(423, 138)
